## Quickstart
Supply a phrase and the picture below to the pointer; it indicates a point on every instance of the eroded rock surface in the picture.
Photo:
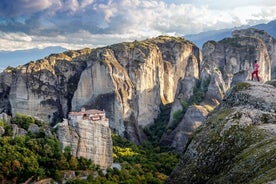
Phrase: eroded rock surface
(87, 138)
(237, 143)
(224, 64)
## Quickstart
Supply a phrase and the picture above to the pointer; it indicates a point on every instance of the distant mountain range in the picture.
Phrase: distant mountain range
(216, 35)
(19, 57)
(15, 58)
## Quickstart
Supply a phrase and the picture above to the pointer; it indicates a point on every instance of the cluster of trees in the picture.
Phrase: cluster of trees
(23, 157)
(139, 164)
(38, 156)
(34, 155)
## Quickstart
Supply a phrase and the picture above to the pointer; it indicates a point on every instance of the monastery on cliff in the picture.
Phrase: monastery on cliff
(93, 115)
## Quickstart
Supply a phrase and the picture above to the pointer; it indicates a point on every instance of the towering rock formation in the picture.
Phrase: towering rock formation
(88, 135)
(44, 88)
(225, 63)
(269, 41)
(131, 80)
(237, 142)
(128, 80)
(230, 61)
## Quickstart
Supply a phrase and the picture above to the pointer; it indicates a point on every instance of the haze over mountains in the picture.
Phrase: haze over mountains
(19, 57)
(216, 35)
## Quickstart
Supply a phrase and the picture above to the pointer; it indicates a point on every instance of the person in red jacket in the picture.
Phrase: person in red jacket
(255, 71)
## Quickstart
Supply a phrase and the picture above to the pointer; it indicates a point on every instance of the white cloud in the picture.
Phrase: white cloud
(15, 37)
(85, 3)
(92, 23)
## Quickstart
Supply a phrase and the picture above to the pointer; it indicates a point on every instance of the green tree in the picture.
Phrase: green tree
(67, 152)
(73, 163)
(62, 163)
(18, 162)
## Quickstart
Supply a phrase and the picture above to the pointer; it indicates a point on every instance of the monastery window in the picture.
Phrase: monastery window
(85, 116)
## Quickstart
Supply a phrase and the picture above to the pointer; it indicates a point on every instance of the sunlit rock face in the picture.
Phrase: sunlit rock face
(224, 64)
(44, 88)
(128, 80)
(131, 80)
(269, 41)
(88, 135)
(231, 60)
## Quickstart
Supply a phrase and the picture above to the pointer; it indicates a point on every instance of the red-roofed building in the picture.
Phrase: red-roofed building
(90, 115)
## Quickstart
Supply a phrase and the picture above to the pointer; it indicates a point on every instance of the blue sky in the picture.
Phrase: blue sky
(75, 24)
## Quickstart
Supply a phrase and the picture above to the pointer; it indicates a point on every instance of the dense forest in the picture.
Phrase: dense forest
(36, 156)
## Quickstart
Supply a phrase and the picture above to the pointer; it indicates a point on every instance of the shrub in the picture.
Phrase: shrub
(22, 120)
(241, 86)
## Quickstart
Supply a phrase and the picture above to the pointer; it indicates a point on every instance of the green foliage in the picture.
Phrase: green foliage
(73, 163)
(7, 127)
(140, 164)
(199, 92)
(67, 152)
(2, 123)
(27, 156)
(155, 131)
(241, 86)
(84, 164)
(22, 120)
(160, 125)
(177, 115)
(18, 162)
(39, 156)
(184, 105)
(143, 163)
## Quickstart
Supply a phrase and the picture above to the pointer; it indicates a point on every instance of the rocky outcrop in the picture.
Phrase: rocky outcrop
(269, 41)
(87, 137)
(128, 80)
(179, 137)
(237, 142)
(230, 61)
(44, 88)
(131, 80)
(5, 86)
(224, 64)
(17, 131)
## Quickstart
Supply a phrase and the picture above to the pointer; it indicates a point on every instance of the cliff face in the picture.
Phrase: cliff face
(131, 80)
(224, 64)
(232, 60)
(44, 88)
(128, 80)
(237, 142)
(87, 138)
(269, 41)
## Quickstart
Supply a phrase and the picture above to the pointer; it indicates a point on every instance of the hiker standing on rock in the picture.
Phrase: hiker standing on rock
(255, 71)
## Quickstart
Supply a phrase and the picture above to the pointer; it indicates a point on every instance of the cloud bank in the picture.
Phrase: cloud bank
(76, 24)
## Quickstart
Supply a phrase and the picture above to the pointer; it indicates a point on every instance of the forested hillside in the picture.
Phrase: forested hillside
(37, 155)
